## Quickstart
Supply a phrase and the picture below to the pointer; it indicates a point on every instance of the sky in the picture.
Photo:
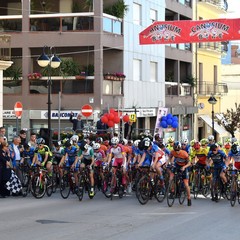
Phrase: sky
(233, 9)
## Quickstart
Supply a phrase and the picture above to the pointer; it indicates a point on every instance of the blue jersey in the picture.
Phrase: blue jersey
(29, 154)
(217, 158)
(235, 156)
(72, 153)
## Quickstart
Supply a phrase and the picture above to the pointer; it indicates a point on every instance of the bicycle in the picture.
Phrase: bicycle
(67, 183)
(27, 181)
(235, 187)
(106, 185)
(84, 184)
(41, 183)
(148, 187)
(201, 182)
(176, 188)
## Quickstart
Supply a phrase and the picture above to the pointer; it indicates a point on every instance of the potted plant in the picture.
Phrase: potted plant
(120, 76)
(35, 75)
(118, 9)
(89, 69)
(14, 74)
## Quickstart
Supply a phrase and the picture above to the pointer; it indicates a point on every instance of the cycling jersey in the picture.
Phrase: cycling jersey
(236, 158)
(118, 151)
(181, 157)
(201, 154)
(88, 155)
(71, 154)
(42, 152)
(217, 158)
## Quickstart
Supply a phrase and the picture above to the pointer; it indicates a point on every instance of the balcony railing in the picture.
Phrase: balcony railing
(61, 22)
(208, 88)
(221, 4)
(175, 89)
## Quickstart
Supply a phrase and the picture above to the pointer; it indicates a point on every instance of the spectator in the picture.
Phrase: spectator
(33, 138)
(77, 123)
(101, 127)
(128, 127)
(3, 133)
(5, 167)
(23, 137)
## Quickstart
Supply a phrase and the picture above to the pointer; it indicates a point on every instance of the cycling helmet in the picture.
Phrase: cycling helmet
(136, 142)
(106, 143)
(40, 141)
(115, 140)
(220, 144)
(184, 141)
(96, 146)
(214, 147)
(74, 138)
(210, 138)
(99, 139)
(235, 149)
(177, 146)
(196, 146)
(170, 139)
(65, 140)
(204, 141)
(67, 144)
(124, 141)
(130, 142)
(192, 142)
(234, 140)
(157, 137)
(84, 146)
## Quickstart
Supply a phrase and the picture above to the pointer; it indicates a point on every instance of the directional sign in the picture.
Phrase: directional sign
(87, 110)
(18, 109)
(132, 117)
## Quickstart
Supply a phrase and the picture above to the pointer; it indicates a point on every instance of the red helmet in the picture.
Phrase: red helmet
(227, 145)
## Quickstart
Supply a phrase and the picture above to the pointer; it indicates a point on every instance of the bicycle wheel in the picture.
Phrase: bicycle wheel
(159, 190)
(38, 186)
(196, 184)
(206, 186)
(49, 187)
(233, 196)
(171, 192)
(106, 186)
(55, 181)
(25, 184)
(65, 186)
(143, 190)
(81, 183)
(182, 192)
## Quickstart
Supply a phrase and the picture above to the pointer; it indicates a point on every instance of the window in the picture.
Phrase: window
(112, 87)
(153, 15)
(153, 71)
(137, 14)
(137, 70)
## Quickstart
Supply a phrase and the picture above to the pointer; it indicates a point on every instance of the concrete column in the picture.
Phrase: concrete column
(3, 66)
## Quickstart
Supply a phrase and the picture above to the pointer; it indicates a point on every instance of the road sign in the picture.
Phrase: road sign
(18, 109)
(87, 110)
(132, 117)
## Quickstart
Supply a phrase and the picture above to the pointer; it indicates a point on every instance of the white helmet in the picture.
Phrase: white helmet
(74, 138)
(210, 138)
(125, 141)
(115, 140)
(96, 146)
(184, 141)
(136, 142)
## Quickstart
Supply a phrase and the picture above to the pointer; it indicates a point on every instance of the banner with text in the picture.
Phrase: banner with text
(161, 112)
(188, 31)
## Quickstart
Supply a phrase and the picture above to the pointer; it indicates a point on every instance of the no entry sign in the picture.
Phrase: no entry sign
(87, 110)
(18, 109)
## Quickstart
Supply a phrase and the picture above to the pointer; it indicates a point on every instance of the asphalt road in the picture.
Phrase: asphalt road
(100, 218)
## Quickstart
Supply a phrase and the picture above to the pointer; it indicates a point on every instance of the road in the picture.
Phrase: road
(100, 218)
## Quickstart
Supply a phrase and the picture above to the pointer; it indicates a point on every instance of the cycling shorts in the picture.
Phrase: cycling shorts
(118, 162)
(185, 173)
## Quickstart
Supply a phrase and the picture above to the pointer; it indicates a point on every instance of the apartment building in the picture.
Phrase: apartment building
(88, 34)
(207, 69)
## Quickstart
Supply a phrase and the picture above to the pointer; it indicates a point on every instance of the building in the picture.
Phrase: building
(207, 70)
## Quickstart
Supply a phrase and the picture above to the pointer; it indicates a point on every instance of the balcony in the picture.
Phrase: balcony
(222, 5)
(175, 89)
(5, 49)
(208, 88)
(61, 22)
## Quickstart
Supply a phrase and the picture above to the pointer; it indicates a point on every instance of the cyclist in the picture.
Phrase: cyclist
(45, 154)
(170, 142)
(227, 147)
(102, 146)
(180, 159)
(199, 155)
(119, 159)
(58, 152)
(70, 155)
(28, 154)
(86, 157)
(211, 140)
(204, 143)
(74, 139)
(234, 156)
(185, 145)
(217, 158)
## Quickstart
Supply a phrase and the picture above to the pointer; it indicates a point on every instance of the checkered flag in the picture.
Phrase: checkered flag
(14, 184)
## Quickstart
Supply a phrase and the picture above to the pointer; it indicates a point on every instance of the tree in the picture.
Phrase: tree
(231, 120)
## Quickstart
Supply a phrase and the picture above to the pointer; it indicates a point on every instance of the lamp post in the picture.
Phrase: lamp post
(49, 60)
(212, 100)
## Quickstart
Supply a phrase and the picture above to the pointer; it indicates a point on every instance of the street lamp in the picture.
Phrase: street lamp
(49, 60)
(212, 100)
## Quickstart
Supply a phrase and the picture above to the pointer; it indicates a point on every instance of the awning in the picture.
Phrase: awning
(208, 120)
